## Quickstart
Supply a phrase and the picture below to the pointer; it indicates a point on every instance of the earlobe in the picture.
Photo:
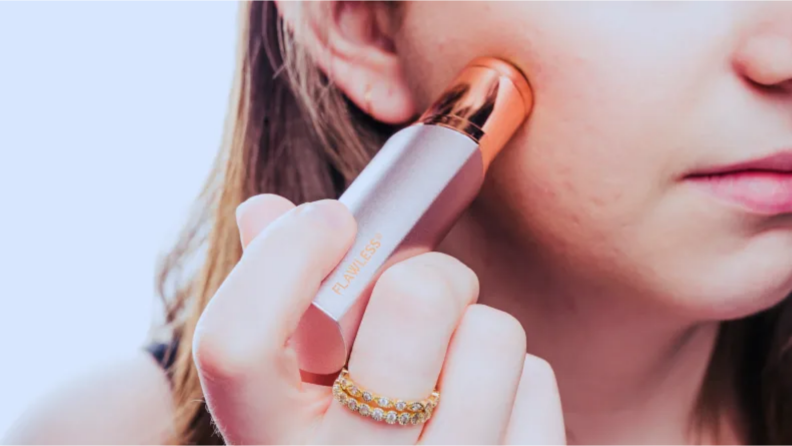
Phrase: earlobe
(347, 42)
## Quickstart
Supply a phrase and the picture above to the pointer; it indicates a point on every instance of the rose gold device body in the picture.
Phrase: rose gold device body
(408, 197)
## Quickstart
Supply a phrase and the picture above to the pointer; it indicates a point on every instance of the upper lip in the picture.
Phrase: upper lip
(776, 162)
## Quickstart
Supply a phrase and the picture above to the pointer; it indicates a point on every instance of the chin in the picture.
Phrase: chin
(735, 297)
(726, 277)
(738, 307)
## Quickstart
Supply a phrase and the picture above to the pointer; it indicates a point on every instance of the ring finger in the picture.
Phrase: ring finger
(401, 344)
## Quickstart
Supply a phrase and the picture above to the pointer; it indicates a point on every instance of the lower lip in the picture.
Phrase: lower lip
(761, 192)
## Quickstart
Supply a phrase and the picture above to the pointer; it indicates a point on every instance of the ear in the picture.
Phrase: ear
(352, 44)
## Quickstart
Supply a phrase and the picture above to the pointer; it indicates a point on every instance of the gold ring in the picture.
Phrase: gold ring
(381, 408)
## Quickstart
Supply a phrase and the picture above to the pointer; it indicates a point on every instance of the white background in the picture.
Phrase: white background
(110, 116)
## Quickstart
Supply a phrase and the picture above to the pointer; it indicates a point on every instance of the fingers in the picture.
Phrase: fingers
(479, 379)
(249, 375)
(255, 214)
(537, 417)
(402, 341)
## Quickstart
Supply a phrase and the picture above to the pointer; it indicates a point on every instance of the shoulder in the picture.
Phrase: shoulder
(127, 401)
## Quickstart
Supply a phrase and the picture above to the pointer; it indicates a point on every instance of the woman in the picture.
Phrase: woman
(635, 235)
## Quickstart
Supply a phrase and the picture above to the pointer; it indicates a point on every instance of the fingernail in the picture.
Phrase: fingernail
(332, 212)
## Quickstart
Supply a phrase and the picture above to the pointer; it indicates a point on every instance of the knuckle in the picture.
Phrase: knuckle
(209, 356)
(459, 275)
(496, 328)
(420, 288)
(222, 355)
(318, 215)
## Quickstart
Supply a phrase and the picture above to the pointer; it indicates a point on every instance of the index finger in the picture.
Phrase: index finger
(248, 370)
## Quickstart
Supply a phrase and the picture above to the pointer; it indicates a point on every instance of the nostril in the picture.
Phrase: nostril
(765, 60)
(764, 88)
(770, 89)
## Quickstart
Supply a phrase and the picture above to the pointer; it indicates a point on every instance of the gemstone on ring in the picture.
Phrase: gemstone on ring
(381, 408)
(364, 410)
(391, 417)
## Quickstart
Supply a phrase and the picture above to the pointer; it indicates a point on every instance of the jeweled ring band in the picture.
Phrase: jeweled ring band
(381, 408)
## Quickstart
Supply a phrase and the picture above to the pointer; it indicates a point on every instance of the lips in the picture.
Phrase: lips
(762, 186)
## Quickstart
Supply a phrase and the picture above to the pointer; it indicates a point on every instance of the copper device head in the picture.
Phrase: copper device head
(488, 101)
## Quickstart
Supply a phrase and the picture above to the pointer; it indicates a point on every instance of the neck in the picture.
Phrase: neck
(628, 370)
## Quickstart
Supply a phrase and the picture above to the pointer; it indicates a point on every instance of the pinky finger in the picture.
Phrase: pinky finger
(537, 417)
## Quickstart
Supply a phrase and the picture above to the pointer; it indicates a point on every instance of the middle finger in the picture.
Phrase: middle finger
(402, 341)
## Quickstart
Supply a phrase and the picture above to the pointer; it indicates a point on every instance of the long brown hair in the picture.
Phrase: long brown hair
(291, 132)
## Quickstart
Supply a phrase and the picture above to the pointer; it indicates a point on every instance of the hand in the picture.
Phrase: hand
(422, 328)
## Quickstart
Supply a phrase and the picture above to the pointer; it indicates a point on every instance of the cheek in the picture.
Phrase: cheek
(593, 176)
(559, 199)
(588, 176)
(585, 166)
(599, 129)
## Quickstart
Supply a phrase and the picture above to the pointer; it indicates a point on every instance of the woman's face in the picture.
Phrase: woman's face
(631, 99)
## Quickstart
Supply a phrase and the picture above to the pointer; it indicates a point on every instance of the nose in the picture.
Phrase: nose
(765, 54)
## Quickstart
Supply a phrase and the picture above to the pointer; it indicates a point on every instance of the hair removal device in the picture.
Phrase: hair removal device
(410, 194)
